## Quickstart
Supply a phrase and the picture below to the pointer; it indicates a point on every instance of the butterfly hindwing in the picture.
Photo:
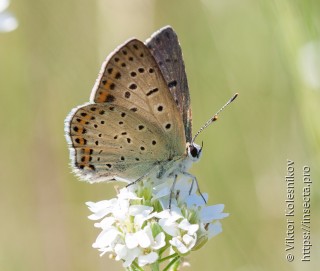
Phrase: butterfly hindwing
(111, 142)
(165, 48)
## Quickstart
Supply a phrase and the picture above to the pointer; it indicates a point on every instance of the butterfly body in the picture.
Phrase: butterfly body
(138, 121)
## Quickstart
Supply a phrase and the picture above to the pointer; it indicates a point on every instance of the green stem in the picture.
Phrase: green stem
(163, 250)
(171, 263)
(155, 266)
(135, 266)
(168, 257)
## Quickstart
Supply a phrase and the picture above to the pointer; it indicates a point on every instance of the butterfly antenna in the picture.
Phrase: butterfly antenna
(214, 118)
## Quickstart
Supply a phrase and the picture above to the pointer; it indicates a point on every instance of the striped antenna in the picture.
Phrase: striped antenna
(214, 118)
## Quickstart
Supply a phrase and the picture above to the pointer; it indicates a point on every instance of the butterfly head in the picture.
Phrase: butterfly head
(194, 151)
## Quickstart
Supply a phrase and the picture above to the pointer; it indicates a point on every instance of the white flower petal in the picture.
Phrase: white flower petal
(184, 245)
(183, 186)
(210, 213)
(138, 209)
(191, 228)
(141, 213)
(196, 200)
(143, 239)
(120, 210)
(105, 223)
(104, 251)
(125, 194)
(99, 215)
(163, 214)
(174, 214)
(214, 229)
(141, 218)
(179, 245)
(131, 240)
(130, 256)
(101, 208)
(148, 231)
(96, 206)
(189, 240)
(159, 241)
(160, 192)
(121, 251)
(105, 238)
(169, 226)
(147, 259)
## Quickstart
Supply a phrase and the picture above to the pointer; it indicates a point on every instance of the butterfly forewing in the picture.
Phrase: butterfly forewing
(165, 48)
(132, 79)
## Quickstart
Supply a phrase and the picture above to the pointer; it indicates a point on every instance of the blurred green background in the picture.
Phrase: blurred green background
(268, 51)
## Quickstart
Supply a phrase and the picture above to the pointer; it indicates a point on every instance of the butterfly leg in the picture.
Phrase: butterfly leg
(139, 179)
(194, 180)
(172, 189)
(143, 176)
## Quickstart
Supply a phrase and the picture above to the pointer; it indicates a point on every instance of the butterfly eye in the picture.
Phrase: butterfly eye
(193, 151)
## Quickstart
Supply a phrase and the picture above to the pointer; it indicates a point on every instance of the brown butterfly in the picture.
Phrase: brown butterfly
(138, 121)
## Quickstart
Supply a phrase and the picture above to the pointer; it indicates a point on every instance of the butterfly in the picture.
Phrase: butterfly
(138, 121)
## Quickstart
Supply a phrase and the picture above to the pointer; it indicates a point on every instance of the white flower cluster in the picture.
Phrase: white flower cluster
(138, 228)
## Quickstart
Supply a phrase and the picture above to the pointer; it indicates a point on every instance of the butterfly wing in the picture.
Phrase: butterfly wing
(130, 83)
(131, 78)
(165, 48)
(111, 142)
